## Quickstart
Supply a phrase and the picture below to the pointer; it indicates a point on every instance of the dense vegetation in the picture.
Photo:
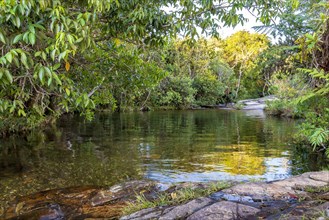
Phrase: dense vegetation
(77, 56)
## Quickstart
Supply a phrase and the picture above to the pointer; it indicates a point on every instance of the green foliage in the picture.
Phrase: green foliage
(175, 92)
(240, 51)
(209, 90)
(55, 54)
(285, 108)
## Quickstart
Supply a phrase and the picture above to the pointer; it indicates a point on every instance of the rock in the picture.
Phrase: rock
(319, 176)
(224, 210)
(304, 180)
(231, 197)
(126, 191)
(150, 213)
(79, 202)
(55, 213)
(324, 196)
(283, 189)
(258, 191)
(187, 209)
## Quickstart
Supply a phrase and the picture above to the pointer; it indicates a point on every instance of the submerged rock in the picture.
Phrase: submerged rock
(79, 202)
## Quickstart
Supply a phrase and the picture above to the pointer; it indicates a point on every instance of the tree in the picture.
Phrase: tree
(44, 42)
(240, 51)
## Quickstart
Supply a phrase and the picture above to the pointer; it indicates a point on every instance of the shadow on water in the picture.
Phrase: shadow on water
(171, 146)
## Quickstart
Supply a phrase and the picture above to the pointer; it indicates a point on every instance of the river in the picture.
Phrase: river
(167, 146)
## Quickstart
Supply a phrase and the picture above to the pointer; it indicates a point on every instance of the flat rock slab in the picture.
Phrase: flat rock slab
(271, 200)
(182, 211)
(282, 189)
(319, 176)
(224, 210)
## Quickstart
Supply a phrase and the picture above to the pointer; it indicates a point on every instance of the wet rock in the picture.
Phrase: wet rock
(55, 213)
(224, 210)
(187, 209)
(125, 191)
(79, 202)
(231, 197)
(146, 214)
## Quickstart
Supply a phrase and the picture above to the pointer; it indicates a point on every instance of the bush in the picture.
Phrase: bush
(285, 108)
(209, 91)
(174, 92)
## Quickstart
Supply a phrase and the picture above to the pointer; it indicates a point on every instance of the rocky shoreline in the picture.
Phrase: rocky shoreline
(305, 196)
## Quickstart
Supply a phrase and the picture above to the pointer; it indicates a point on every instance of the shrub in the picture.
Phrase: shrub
(209, 91)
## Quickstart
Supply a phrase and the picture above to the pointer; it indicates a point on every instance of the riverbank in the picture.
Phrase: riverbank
(304, 196)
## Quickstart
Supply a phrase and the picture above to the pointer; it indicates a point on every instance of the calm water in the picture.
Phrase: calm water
(172, 146)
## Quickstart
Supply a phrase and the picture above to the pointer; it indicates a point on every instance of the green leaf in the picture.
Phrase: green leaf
(37, 54)
(31, 28)
(49, 81)
(24, 59)
(41, 74)
(21, 112)
(68, 92)
(44, 56)
(56, 66)
(32, 38)
(9, 76)
(17, 38)
(2, 38)
(53, 54)
(39, 26)
(58, 81)
(9, 57)
(18, 21)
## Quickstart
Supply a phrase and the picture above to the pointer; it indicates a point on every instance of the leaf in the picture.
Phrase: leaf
(67, 66)
(41, 74)
(56, 66)
(31, 28)
(9, 76)
(21, 112)
(17, 38)
(49, 81)
(53, 54)
(37, 54)
(24, 59)
(32, 38)
(18, 22)
(39, 26)
(9, 57)
(2, 38)
(58, 81)
(68, 92)
(44, 56)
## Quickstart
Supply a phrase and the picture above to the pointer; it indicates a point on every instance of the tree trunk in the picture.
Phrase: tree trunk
(239, 82)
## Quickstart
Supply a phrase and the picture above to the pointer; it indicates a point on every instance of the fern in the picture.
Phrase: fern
(319, 137)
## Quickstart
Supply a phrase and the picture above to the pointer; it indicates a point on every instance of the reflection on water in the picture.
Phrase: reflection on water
(168, 146)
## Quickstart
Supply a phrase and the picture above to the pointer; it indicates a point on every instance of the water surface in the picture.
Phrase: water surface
(170, 146)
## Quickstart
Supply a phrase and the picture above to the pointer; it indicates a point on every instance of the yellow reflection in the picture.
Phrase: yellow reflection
(238, 159)
(243, 163)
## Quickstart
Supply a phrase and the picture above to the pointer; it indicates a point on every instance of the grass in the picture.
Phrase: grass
(320, 189)
(177, 197)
